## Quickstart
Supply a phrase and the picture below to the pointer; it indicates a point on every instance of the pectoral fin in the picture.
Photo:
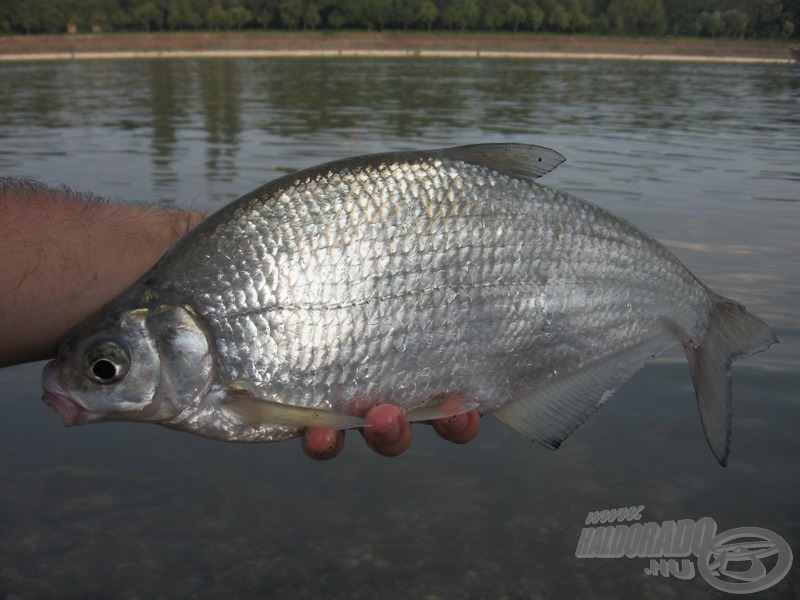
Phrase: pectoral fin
(247, 401)
(441, 407)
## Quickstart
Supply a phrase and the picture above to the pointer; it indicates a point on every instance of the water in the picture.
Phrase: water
(703, 157)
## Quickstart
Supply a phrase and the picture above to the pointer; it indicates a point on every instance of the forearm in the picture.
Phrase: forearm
(62, 257)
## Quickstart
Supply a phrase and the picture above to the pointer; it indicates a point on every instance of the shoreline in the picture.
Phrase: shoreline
(453, 54)
(270, 44)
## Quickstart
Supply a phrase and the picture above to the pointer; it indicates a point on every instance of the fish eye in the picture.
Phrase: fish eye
(106, 362)
(104, 370)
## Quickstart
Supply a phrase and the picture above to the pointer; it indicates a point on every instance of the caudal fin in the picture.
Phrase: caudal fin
(733, 333)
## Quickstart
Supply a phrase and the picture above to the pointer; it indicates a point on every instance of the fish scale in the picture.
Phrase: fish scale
(325, 276)
(409, 277)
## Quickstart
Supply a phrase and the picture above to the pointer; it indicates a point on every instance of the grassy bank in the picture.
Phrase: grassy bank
(164, 42)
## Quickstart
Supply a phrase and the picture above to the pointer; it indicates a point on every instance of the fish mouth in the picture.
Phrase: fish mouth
(71, 412)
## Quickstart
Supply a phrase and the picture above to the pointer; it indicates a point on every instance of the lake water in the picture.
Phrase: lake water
(706, 158)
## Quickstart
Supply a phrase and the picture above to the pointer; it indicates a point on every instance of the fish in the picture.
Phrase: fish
(440, 281)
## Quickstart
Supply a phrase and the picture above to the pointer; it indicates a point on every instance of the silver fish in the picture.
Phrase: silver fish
(438, 281)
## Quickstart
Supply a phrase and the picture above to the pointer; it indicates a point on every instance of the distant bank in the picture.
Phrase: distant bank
(390, 44)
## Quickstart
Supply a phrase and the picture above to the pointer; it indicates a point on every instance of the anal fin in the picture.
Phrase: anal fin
(550, 410)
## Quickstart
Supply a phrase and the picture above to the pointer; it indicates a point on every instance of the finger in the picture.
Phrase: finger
(459, 429)
(390, 433)
(322, 444)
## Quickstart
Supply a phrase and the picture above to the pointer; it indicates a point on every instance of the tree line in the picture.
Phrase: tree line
(713, 18)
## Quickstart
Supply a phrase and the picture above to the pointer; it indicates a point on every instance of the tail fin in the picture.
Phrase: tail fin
(733, 333)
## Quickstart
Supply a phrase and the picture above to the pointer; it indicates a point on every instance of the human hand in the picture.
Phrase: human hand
(390, 433)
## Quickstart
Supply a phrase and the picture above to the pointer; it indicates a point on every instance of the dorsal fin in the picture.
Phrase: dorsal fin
(521, 161)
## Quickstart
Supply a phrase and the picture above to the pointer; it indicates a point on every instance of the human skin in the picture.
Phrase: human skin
(390, 433)
(65, 255)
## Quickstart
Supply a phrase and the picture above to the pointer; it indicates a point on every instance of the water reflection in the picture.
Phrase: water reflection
(220, 95)
(704, 157)
(304, 98)
(166, 102)
(230, 112)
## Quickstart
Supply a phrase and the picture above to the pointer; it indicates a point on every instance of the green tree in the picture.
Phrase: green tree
(769, 19)
(29, 16)
(495, 15)
(54, 20)
(175, 18)
(79, 12)
(368, 13)
(535, 15)
(515, 15)
(406, 11)
(240, 17)
(148, 16)
(637, 16)
(559, 18)
(710, 23)
(428, 13)
(336, 19)
(192, 18)
(735, 22)
(218, 18)
(449, 16)
(311, 16)
(99, 21)
(8, 17)
(463, 13)
(263, 11)
(203, 6)
(291, 12)
(732, 18)
(578, 18)
(682, 15)
(182, 14)
(381, 12)
(120, 19)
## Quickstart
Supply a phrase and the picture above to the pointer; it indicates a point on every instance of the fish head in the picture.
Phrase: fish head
(139, 364)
